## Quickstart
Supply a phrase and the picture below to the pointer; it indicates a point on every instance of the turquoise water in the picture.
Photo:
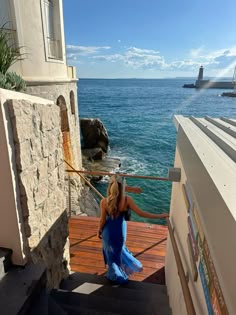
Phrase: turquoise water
(138, 115)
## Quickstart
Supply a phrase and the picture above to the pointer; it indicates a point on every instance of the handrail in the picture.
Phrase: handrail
(86, 181)
(184, 284)
(120, 174)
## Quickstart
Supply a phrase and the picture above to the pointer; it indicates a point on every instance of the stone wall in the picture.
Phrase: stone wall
(40, 166)
(66, 92)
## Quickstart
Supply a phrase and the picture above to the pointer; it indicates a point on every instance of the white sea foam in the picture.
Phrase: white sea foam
(140, 125)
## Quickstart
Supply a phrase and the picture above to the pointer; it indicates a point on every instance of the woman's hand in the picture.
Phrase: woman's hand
(99, 234)
(164, 215)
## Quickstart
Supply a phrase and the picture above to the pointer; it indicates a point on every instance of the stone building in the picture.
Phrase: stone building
(39, 130)
(38, 28)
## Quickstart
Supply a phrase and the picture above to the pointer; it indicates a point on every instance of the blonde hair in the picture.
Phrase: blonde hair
(114, 195)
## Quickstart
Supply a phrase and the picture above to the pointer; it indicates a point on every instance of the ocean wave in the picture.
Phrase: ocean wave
(138, 115)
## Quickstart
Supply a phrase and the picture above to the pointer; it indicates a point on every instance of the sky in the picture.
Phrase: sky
(150, 38)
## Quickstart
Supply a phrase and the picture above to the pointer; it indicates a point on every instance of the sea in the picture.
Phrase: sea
(138, 115)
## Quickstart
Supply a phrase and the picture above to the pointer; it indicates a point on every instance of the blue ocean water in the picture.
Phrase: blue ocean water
(138, 115)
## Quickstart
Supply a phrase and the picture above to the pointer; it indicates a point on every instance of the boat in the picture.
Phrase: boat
(231, 94)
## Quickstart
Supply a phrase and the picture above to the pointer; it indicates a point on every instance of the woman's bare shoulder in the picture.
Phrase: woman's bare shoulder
(103, 201)
(129, 200)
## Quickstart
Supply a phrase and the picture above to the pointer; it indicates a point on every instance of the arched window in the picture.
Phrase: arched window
(63, 110)
(72, 102)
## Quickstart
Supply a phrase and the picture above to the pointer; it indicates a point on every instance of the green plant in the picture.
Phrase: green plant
(12, 81)
(3, 82)
(9, 54)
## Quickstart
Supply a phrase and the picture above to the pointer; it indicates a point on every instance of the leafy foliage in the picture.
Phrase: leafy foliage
(9, 54)
(12, 81)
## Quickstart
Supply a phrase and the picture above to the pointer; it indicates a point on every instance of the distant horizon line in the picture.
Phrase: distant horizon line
(101, 78)
(167, 78)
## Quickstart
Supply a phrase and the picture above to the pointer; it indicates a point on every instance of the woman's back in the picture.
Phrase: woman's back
(112, 231)
(115, 226)
(122, 207)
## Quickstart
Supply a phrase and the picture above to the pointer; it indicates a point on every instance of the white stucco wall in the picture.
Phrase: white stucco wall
(179, 214)
(211, 176)
(27, 19)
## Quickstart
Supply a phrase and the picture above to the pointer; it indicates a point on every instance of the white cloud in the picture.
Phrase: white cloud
(195, 53)
(211, 56)
(142, 51)
(74, 52)
(135, 58)
(111, 58)
(218, 59)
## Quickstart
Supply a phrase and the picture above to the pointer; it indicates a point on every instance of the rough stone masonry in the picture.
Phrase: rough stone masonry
(39, 161)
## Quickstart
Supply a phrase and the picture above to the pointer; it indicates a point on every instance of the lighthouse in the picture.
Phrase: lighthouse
(200, 73)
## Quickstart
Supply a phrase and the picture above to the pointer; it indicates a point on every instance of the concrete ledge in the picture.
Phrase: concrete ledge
(5, 261)
(18, 287)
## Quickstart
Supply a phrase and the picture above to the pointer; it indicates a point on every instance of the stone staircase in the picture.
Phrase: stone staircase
(5, 261)
(87, 294)
(19, 285)
(23, 292)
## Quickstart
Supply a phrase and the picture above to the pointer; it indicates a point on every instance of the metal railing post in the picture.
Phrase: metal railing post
(69, 197)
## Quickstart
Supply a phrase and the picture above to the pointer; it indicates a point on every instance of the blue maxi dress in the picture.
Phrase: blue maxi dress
(121, 263)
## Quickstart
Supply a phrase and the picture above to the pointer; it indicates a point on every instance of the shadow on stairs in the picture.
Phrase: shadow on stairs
(88, 294)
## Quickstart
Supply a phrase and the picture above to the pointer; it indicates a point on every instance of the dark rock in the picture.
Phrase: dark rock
(108, 164)
(229, 94)
(93, 154)
(190, 86)
(89, 202)
(94, 134)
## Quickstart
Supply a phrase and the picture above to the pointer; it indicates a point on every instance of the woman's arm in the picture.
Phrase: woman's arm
(132, 205)
(102, 217)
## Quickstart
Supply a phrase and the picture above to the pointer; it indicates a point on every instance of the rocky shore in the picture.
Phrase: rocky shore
(95, 157)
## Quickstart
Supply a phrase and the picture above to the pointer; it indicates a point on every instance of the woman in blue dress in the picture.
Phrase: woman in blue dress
(112, 230)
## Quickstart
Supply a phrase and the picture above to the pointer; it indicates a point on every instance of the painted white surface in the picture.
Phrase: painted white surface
(179, 214)
(31, 32)
(211, 174)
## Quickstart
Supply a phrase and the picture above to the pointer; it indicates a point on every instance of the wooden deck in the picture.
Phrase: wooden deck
(146, 241)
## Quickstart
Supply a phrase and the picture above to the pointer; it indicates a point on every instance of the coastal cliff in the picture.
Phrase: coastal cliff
(95, 148)
(94, 134)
